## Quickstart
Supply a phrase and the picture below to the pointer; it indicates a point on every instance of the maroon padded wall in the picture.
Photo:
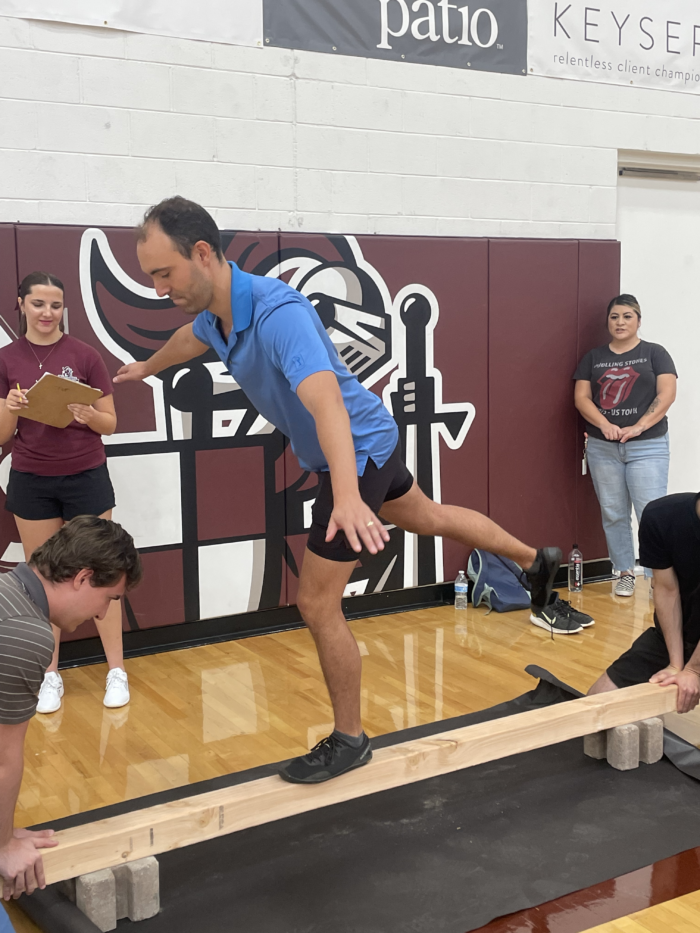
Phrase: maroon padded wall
(533, 304)
(514, 317)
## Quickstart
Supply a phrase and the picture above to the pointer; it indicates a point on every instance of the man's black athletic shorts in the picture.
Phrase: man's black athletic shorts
(377, 486)
(647, 656)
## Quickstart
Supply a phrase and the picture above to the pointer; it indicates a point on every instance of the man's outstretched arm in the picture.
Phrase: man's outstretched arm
(667, 601)
(182, 346)
(21, 867)
(321, 396)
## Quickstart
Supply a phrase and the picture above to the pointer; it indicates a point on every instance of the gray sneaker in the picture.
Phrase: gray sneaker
(326, 760)
(555, 618)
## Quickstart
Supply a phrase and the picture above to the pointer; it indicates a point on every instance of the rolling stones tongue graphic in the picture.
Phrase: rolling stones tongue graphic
(616, 385)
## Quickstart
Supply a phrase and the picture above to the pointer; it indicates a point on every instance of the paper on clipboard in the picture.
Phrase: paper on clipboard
(50, 396)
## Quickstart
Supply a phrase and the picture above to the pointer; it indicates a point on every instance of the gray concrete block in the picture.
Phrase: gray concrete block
(139, 885)
(68, 888)
(651, 740)
(121, 880)
(95, 895)
(623, 747)
(595, 745)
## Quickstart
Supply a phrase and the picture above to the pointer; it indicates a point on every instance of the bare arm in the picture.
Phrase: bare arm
(9, 413)
(667, 601)
(665, 397)
(100, 416)
(182, 346)
(21, 866)
(321, 396)
(583, 400)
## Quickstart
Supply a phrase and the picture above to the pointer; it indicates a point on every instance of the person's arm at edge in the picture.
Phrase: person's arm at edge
(182, 347)
(21, 866)
(321, 396)
(666, 384)
(667, 601)
(9, 415)
(583, 400)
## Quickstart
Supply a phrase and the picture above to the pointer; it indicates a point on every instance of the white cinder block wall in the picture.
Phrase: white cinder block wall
(97, 124)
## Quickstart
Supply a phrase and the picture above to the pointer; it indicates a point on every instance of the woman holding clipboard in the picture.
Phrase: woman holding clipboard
(58, 473)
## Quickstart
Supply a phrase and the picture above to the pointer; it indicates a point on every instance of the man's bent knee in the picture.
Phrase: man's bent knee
(602, 685)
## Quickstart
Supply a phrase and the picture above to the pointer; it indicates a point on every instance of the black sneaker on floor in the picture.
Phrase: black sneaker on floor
(581, 617)
(540, 576)
(326, 760)
(555, 618)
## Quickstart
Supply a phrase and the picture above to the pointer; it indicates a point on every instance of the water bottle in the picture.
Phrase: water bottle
(461, 586)
(575, 570)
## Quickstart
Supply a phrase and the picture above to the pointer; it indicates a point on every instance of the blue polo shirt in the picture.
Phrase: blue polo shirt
(276, 342)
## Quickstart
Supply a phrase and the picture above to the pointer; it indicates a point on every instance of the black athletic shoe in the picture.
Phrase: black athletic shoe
(581, 617)
(540, 576)
(555, 618)
(326, 760)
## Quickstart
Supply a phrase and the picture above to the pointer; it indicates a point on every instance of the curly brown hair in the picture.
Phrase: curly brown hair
(89, 543)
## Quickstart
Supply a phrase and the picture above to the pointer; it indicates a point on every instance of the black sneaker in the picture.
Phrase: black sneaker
(581, 617)
(540, 576)
(326, 760)
(555, 618)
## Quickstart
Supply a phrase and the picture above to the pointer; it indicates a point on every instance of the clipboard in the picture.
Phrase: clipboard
(49, 397)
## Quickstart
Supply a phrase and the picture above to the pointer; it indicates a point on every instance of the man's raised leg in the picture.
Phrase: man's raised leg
(416, 513)
(321, 589)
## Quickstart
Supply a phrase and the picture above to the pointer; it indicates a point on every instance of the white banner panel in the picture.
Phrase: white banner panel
(644, 43)
(238, 22)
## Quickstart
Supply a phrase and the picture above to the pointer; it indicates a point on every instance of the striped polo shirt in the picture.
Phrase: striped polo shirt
(26, 643)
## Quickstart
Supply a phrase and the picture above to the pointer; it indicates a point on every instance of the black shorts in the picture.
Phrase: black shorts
(377, 486)
(647, 656)
(36, 498)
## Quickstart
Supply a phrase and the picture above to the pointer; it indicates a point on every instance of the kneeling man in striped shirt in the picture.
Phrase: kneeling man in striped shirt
(70, 579)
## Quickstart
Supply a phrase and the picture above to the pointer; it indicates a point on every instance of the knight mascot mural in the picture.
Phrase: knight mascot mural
(212, 493)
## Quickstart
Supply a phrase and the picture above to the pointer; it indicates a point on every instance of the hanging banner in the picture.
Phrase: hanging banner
(487, 35)
(634, 42)
(237, 22)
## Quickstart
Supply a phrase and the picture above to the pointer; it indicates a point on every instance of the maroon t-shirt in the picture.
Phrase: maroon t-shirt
(40, 448)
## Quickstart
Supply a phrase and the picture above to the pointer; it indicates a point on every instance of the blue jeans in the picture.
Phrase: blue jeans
(5, 925)
(624, 475)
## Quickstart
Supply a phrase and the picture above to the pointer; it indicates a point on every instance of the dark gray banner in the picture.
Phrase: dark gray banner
(489, 35)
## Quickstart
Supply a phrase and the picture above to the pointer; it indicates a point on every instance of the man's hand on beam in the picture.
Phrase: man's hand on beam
(21, 865)
(688, 683)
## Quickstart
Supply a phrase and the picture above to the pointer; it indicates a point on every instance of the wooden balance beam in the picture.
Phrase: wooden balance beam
(121, 839)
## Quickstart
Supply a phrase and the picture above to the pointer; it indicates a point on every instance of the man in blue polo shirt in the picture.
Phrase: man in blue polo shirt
(273, 343)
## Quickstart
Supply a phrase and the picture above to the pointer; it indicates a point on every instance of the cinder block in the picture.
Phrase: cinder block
(651, 740)
(95, 896)
(121, 882)
(68, 888)
(142, 888)
(623, 747)
(595, 745)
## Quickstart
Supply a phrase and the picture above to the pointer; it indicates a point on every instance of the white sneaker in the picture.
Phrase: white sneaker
(625, 585)
(50, 693)
(117, 690)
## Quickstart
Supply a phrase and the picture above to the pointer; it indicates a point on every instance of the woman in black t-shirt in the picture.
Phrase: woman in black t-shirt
(623, 390)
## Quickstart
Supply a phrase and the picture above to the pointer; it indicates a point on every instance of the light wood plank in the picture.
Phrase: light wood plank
(171, 734)
(680, 915)
(190, 820)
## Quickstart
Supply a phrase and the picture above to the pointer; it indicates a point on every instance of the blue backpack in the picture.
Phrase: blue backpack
(497, 582)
